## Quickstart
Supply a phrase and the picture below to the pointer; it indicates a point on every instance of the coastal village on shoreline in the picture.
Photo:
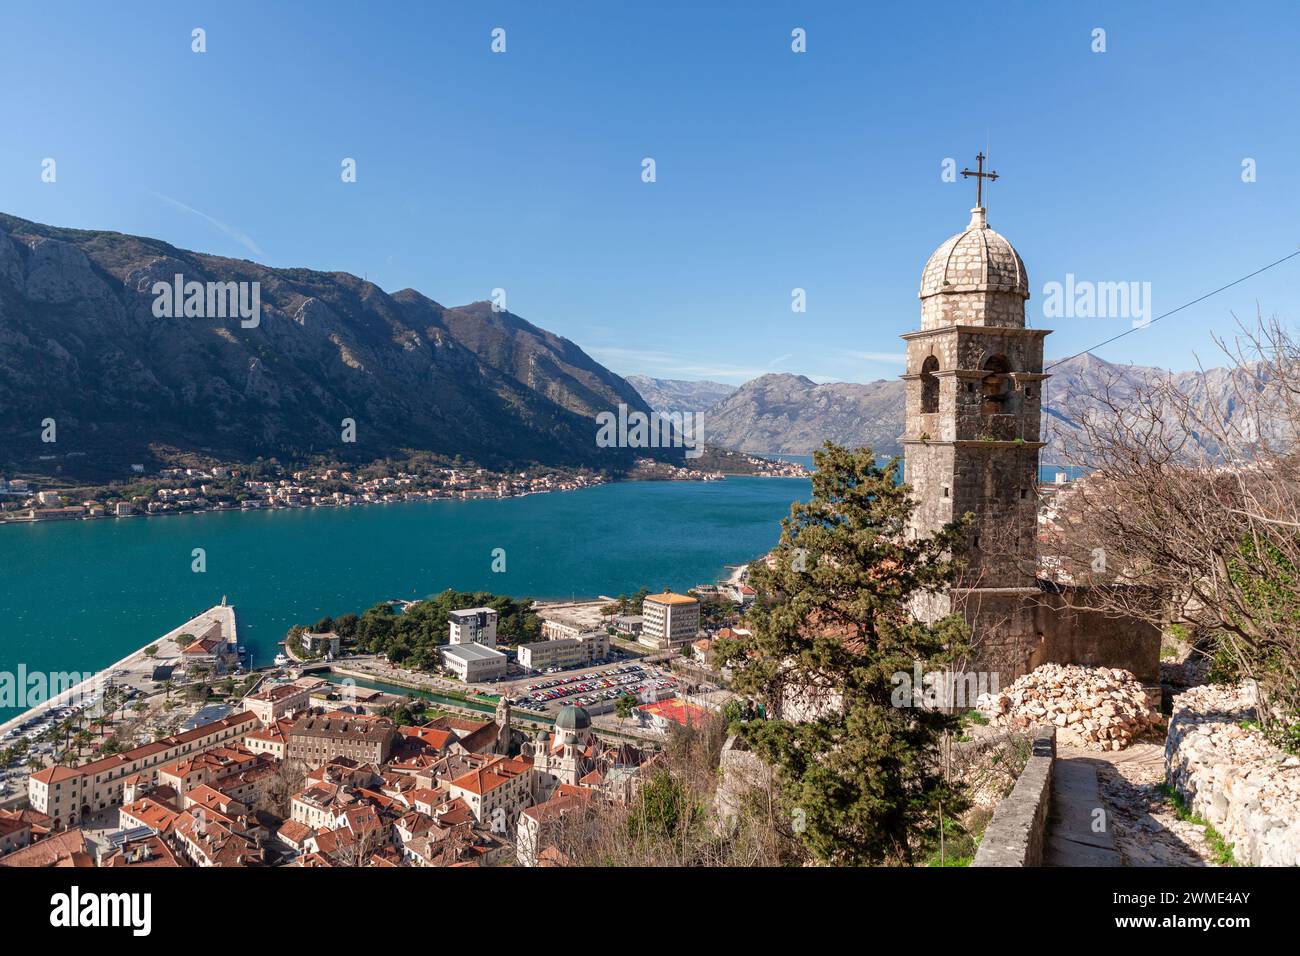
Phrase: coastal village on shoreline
(184, 753)
(184, 490)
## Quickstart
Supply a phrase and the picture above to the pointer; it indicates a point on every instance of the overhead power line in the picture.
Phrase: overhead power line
(1185, 305)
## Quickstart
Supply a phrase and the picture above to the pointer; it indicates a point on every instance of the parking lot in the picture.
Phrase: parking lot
(592, 688)
(37, 737)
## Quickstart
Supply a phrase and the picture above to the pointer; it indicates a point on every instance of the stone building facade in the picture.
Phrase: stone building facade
(315, 740)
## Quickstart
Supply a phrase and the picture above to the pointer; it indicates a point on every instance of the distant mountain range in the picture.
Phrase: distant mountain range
(80, 344)
(81, 347)
(793, 415)
(672, 395)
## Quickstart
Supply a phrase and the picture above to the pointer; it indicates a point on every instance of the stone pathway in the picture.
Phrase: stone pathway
(1078, 833)
(1142, 825)
(1147, 829)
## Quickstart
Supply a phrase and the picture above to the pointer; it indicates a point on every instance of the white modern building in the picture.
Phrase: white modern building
(473, 662)
(584, 649)
(669, 620)
(475, 625)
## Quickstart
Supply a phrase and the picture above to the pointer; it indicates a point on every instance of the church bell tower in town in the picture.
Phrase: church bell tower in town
(974, 392)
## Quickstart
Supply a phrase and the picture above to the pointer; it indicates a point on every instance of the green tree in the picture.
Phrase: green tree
(625, 706)
(831, 628)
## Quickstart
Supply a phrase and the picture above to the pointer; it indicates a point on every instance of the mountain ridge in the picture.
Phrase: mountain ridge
(679, 395)
(80, 346)
(789, 414)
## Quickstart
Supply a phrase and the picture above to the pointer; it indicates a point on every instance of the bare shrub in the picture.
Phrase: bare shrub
(1196, 497)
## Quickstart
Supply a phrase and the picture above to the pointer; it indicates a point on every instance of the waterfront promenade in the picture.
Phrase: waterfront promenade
(136, 669)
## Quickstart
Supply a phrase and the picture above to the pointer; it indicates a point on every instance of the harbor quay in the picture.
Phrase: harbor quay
(135, 670)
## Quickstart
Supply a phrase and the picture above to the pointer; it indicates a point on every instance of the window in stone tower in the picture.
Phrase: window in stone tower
(929, 385)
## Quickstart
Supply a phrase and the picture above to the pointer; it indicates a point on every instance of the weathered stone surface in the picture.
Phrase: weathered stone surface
(1230, 774)
(740, 772)
(1015, 835)
(59, 273)
(1102, 708)
(1073, 837)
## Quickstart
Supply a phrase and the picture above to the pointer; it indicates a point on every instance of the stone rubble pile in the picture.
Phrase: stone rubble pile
(1232, 776)
(1099, 707)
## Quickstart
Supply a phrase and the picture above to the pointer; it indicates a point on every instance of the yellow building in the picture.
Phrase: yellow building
(669, 620)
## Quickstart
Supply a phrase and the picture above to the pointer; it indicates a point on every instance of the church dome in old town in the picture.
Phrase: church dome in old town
(975, 260)
(572, 718)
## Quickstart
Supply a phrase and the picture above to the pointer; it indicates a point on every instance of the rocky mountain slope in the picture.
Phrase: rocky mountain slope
(676, 395)
(80, 344)
(791, 414)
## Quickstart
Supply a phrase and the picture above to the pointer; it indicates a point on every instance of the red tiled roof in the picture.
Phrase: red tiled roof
(151, 852)
(138, 753)
(433, 736)
(279, 692)
(55, 774)
(293, 832)
(61, 849)
(152, 814)
(555, 807)
(490, 776)
(462, 725)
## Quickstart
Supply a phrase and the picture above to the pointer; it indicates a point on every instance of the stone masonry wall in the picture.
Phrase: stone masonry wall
(1073, 633)
(1230, 775)
(740, 771)
(1018, 831)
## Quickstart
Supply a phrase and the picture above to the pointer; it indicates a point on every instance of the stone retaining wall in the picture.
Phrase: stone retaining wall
(740, 771)
(1015, 835)
(1231, 776)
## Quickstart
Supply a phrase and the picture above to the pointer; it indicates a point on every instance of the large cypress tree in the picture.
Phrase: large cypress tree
(832, 631)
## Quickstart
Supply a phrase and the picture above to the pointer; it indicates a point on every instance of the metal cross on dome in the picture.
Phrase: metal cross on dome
(980, 176)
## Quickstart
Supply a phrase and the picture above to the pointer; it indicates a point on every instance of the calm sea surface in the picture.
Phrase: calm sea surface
(78, 595)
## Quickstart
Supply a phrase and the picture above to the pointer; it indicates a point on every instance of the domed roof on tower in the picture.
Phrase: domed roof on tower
(572, 718)
(975, 260)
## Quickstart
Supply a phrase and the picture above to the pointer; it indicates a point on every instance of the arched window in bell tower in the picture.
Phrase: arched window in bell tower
(994, 384)
(929, 385)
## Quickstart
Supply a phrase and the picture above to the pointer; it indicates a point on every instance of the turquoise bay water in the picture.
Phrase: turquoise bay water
(78, 595)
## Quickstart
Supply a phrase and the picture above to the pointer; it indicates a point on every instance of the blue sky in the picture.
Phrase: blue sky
(775, 170)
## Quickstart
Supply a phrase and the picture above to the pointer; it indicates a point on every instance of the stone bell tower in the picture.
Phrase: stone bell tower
(974, 386)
